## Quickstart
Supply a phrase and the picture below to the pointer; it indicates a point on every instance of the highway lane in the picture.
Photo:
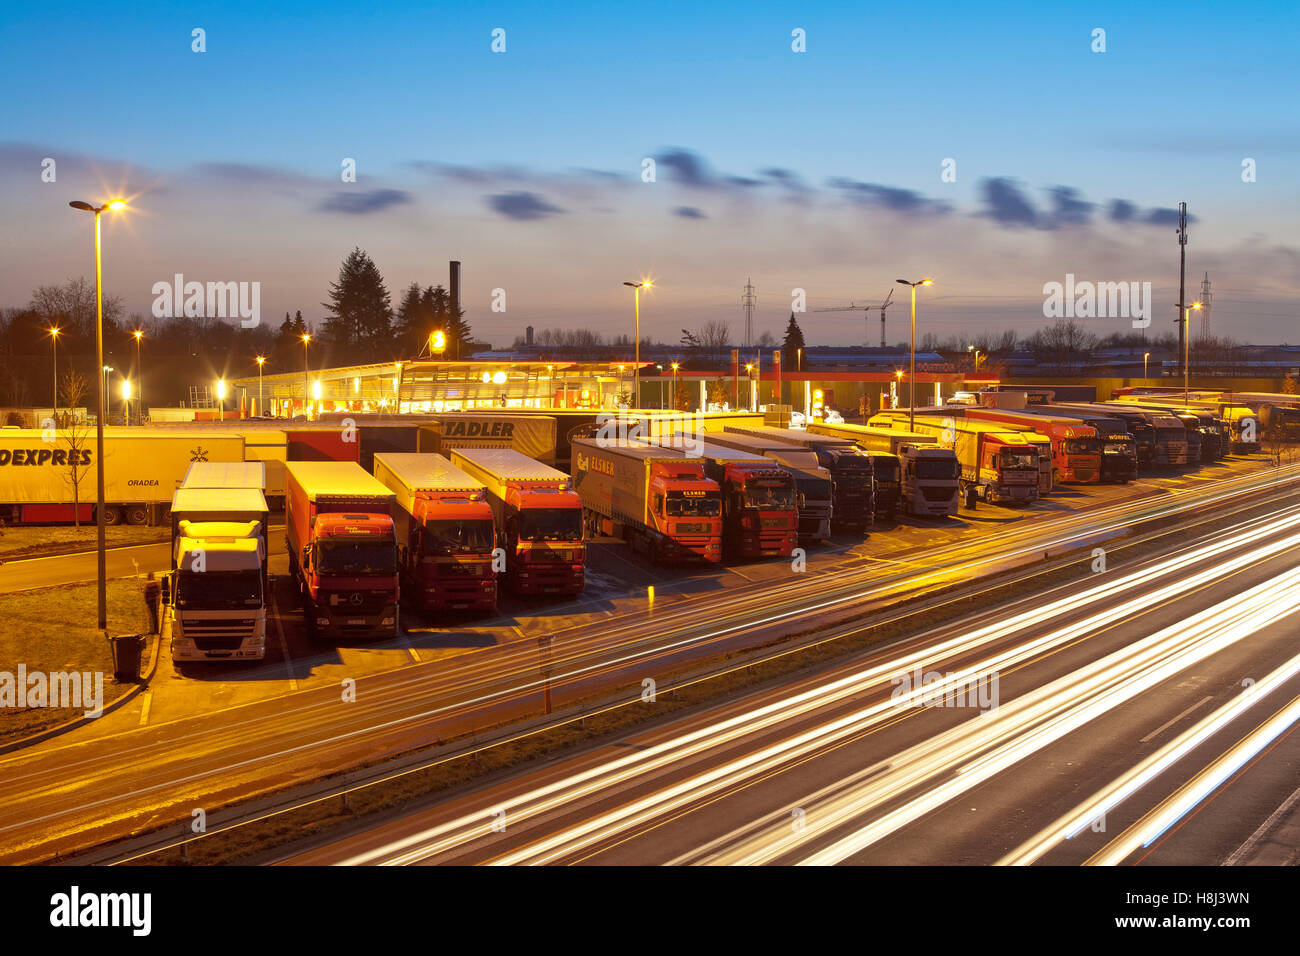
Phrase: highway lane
(63, 796)
(836, 771)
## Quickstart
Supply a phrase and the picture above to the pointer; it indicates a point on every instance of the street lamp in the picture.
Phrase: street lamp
(221, 399)
(102, 577)
(138, 334)
(1187, 345)
(1145, 356)
(103, 382)
(749, 370)
(126, 401)
(675, 367)
(261, 410)
(978, 353)
(438, 342)
(636, 369)
(305, 339)
(911, 378)
(54, 341)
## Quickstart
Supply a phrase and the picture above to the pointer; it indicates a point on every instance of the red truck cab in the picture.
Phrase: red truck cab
(687, 512)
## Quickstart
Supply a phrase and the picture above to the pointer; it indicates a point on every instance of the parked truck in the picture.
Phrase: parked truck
(539, 514)
(996, 464)
(1214, 432)
(446, 532)
(925, 475)
(760, 511)
(342, 549)
(812, 481)
(656, 498)
(1076, 448)
(1152, 449)
(851, 470)
(218, 583)
(1119, 457)
(49, 476)
(1175, 443)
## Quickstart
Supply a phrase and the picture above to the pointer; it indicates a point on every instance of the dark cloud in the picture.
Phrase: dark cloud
(1164, 216)
(1068, 208)
(786, 177)
(687, 168)
(742, 181)
(522, 206)
(1121, 210)
(363, 203)
(888, 197)
(1005, 204)
(690, 212)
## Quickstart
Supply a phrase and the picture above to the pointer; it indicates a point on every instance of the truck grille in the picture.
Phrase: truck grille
(935, 493)
(213, 643)
(357, 603)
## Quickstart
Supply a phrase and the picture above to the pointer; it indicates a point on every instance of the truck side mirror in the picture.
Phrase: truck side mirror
(165, 588)
(306, 555)
(801, 500)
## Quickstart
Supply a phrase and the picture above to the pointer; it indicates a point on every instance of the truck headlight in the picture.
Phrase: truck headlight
(387, 620)
(323, 622)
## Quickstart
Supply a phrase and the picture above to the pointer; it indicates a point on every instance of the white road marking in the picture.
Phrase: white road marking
(1173, 720)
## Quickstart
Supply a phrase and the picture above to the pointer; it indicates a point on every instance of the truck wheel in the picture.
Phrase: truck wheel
(985, 492)
(137, 514)
(112, 515)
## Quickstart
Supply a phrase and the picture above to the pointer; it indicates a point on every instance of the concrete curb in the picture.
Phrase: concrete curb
(113, 705)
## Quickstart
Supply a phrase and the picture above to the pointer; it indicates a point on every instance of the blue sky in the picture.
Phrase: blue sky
(526, 164)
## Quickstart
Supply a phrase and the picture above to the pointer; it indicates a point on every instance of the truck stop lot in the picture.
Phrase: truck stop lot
(618, 581)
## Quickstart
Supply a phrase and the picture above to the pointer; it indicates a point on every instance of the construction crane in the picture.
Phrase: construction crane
(866, 310)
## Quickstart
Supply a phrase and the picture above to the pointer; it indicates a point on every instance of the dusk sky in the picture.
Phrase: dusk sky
(818, 170)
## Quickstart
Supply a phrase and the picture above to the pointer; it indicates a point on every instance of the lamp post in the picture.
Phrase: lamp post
(1145, 356)
(1187, 346)
(126, 401)
(101, 577)
(438, 342)
(636, 368)
(221, 399)
(305, 371)
(749, 370)
(104, 384)
(911, 378)
(675, 367)
(54, 341)
(978, 353)
(138, 334)
(261, 410)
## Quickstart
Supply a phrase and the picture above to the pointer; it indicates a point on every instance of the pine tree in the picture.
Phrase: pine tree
(411, 323)
(792, 344)
(359, 320)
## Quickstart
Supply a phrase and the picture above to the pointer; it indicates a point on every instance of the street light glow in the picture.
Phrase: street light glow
(221, 388)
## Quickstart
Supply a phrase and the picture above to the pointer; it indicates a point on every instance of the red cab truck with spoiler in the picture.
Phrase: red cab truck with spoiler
(760, 511)
(656, 498)
(1076, 448)
(342, 548)
(540, 515)
(445, 530)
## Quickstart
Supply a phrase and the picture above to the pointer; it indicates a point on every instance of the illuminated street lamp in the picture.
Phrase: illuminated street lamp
(54, 341)
(911, 378)
(101, 577)
(261, 410)
(978, 353)
(138, 334)
(126, 401)
(1187, 345)
(1145, 356)
(103, 381)
(305, 339)
(221, 399)
(438, 342)
(636, 370)
(675, 368)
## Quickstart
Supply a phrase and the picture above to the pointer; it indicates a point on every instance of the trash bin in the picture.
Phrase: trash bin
(127, 651)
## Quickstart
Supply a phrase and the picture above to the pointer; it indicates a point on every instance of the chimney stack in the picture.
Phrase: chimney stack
(528, 335)
(453, 289)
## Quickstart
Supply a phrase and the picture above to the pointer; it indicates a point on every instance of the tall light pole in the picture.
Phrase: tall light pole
(126, 401)
(221, 399)
(1187, 346)
(636, 368)
(138, 334)
(1145, 356)
(54, 340)
(261, 410)
(102, 578)
(911, 378)
(305, 384)
(103, 381)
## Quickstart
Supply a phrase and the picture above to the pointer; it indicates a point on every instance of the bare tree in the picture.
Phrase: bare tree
(72, 306)
(75, 438)
(72, 389)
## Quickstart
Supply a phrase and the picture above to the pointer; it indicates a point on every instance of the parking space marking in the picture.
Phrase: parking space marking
(284, 645)
(146, 700)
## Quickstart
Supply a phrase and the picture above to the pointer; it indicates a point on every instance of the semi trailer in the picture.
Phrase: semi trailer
(1076, 447)
(446, 532)
(658, 499)
(926, 475)
(851, 470)
(342, 549)
(540, 517)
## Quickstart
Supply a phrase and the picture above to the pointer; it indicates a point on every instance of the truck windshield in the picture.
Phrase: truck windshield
(769, 497)
(550, 524)
(1083, 446)
(218, 590)
(1116, 446)
(1016, 460)
(458, 537)
(936, 468)
(886, 470)
(706, 507)
(814, 489)
(355, 557)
